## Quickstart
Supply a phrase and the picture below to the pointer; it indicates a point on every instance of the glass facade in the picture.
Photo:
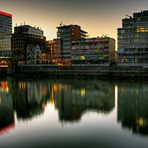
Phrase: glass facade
(5, 31)
(133, 39)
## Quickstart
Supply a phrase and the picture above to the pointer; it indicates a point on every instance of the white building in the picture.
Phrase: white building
(33, 54)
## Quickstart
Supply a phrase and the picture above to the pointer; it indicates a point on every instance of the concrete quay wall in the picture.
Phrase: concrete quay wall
(90, 71)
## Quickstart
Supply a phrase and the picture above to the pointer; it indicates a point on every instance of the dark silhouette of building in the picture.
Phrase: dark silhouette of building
(23, 36)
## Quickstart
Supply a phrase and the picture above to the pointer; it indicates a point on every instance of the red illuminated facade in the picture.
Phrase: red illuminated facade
(5, 14)
(5, 31)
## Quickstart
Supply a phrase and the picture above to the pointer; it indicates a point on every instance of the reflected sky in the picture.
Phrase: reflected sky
(73, 113)
(97, 17)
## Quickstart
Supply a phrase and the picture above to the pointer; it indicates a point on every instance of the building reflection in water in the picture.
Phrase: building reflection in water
(29, 98)
(73, 98)
(6, 107)
(133, 107)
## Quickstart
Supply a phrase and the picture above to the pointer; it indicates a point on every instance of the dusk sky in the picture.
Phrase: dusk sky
(96, 17)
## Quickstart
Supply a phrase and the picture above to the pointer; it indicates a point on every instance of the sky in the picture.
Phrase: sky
(97, 17)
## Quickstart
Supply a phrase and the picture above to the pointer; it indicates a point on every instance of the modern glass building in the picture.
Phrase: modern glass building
(133, 39)
(5, 31)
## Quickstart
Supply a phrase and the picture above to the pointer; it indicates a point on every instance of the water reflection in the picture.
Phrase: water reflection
(73, 98)
(27, 99)
(133, 107)
(6, 107)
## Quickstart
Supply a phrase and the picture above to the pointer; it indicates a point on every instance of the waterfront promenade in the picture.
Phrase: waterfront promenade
(78, 70)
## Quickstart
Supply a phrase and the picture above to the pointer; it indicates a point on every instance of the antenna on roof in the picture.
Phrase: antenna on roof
(128, 16)
(106, 35)
(61, 23)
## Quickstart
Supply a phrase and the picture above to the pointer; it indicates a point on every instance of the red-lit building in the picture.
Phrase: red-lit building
(5, 31)
(50, 50)
(56, 53)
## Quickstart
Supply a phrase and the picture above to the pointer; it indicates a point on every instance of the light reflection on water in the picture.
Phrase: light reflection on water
(73, 113)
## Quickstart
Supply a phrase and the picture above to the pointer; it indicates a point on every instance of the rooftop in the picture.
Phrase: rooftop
(5, 14)
(28, 26)
(69, 26)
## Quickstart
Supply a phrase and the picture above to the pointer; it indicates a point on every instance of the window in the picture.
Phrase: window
(142, 29)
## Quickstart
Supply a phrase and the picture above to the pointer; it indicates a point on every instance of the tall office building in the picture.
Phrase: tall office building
(65, 35)
(133, 39)
(5, 32)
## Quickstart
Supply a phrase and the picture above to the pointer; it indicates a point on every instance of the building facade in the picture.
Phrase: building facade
(133, 39)
(100, 50)
(5, 31)
(33, 54)
(56, 53)
(63, 44)
(23, 36)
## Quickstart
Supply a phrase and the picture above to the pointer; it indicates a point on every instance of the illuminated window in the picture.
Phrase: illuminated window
(142, 29)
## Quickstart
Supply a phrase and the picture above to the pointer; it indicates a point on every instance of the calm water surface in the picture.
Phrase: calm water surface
(73, 113)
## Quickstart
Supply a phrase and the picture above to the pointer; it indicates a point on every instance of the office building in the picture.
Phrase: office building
(133, 39)
(63, 44)
(5, 32)
(99, 50)
(26, 35)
